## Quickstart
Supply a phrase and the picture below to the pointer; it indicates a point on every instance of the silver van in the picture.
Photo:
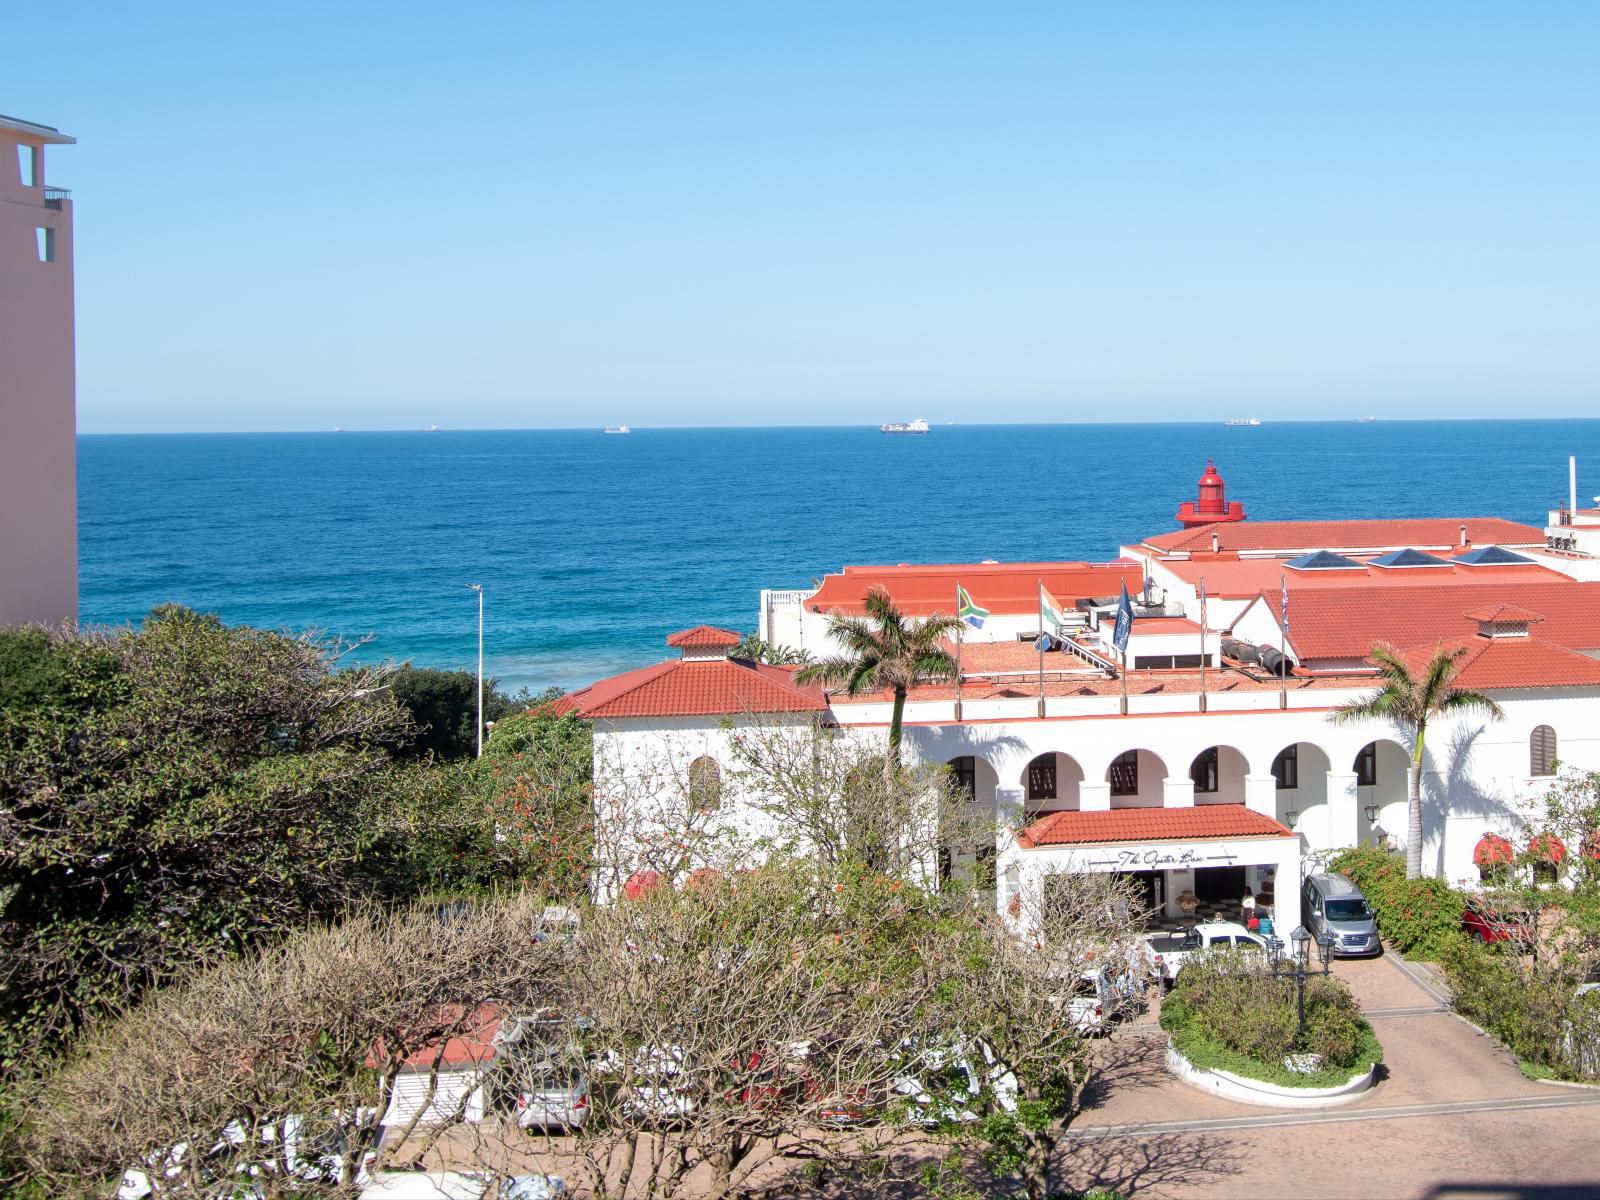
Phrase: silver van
(1333, 904)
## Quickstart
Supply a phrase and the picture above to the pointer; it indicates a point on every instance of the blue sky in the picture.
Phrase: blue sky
(296, 216)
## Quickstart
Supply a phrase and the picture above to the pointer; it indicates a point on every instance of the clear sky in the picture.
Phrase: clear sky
(302, 215)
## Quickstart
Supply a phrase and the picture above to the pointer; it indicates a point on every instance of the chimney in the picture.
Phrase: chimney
(1463, 535)
(1216, 544)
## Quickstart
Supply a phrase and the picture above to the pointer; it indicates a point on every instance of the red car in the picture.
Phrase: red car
(1490, 927)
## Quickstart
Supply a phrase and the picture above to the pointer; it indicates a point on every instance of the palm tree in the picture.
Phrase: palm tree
(886, 649)
(1411, 701)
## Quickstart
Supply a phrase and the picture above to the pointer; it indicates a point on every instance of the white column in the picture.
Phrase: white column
(1261, 794)
(1177, 793)
(1343, 811)
(1286, 890)
(1008, 807)
(1094, 797)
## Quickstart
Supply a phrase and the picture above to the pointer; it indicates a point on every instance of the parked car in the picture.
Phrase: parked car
(1172, 950)
(552, 1094)
(461, 1185)
(1491, 926)
(1094, 1003)
(944, 1083)
(663, 1087)
(1333, 904)
(309, 1152)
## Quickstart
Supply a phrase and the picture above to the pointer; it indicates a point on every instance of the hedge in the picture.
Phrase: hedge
(1421, 917)
(1230, 1013)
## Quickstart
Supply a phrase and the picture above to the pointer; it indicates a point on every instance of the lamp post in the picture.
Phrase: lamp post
(478, 587)
(1295, 967)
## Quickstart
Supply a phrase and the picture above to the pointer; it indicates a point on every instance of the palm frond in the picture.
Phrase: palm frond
(826, 671)
(1467, 700)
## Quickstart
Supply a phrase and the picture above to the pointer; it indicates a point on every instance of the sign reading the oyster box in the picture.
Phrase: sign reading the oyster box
(1143, 860)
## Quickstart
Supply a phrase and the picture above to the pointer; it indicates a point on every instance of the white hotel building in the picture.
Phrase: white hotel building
(1199, 770)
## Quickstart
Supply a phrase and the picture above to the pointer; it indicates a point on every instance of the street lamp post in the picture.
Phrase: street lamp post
(1295, 967)
(478, 587)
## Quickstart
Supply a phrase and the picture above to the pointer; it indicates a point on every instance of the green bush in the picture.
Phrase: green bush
(1229, 1012)
(1532, 1009)
(1422, 917)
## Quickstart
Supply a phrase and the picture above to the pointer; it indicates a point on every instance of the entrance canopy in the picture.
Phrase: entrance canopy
(1180, 843)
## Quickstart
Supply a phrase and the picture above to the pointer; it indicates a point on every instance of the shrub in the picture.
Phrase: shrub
(1531, 1009)
(1228, 1011)
(1419, 916)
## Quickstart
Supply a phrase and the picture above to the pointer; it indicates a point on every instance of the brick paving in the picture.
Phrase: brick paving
(1451, 1119)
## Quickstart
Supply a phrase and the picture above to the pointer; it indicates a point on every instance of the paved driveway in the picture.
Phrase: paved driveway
(1452, 1119)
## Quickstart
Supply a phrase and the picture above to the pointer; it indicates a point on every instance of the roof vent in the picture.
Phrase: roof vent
(1463, 535)
(704, 641)
(1324, 560)
(1502, 620)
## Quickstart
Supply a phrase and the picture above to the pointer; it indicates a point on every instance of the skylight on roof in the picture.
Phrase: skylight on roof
(1324, 560)
(1492, 556)
(1408, 558)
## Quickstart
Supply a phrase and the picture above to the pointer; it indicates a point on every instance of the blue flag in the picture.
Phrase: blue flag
(1119, 635)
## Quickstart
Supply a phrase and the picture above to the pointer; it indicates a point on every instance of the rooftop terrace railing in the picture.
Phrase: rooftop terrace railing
(53, 196)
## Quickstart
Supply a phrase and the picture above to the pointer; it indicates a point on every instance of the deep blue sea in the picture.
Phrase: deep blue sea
(594, 548)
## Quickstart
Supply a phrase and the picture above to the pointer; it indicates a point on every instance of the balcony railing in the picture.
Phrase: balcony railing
(53, 196)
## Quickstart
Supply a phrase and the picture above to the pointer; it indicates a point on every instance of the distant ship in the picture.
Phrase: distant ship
(431, 429)
(917, 426)
(1243, 421)
(618, 429)
(1365, 420)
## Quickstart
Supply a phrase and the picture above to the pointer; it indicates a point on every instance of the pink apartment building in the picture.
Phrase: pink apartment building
(38, 391)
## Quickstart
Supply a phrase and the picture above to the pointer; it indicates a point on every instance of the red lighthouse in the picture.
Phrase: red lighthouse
(1210, 506)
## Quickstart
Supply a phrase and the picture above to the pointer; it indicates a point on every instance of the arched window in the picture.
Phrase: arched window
(1542, 751)
(1367, 766)
(1042, 778)
(1203, 771)
(705, 785)
(964, 774)
(1286, 768)
(1124, 773)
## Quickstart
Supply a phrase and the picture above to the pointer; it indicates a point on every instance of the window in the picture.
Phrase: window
(1367, 765)
(1286, 769)
(1204, 770)
(705, 785)
(1042, 778)
(1542, 751)
(28, 165)
(964, 774)
(1125, 774)
(46, 239)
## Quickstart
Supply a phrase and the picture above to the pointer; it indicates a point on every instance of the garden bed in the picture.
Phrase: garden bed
(1305, 1090)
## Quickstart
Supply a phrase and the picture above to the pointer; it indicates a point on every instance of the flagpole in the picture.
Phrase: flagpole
(959, 624)
(1040, 647)
(1124, 674)
(1202, 643)
(1283, 627)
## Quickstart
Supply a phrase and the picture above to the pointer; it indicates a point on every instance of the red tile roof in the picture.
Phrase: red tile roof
(1422, 533)
(704, 635)
(1002, 588)
(1508, 614)
(472, 1046)
(1511, 662)
(694, 688)
(1150, 825)
(1348, 622)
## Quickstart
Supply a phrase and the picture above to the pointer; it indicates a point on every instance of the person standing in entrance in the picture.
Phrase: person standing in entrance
(1248, 907)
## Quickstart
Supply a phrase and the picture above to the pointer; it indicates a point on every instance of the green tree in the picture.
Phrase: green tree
(1411, 701)
(885, 649)
(185, 790)
(444, 708)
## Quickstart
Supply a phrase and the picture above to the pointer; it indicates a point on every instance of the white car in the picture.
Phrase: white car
(1172, 950)
(460, 1185)
(552, 1095)
(662, 1087)
(288, 1148)
(945, 1084)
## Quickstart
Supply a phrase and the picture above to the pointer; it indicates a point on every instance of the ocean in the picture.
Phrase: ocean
(593, 548)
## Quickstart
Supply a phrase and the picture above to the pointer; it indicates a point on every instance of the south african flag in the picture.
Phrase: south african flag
(967, 611)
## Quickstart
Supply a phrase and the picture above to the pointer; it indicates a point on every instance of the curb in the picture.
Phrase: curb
(1267, 1095)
